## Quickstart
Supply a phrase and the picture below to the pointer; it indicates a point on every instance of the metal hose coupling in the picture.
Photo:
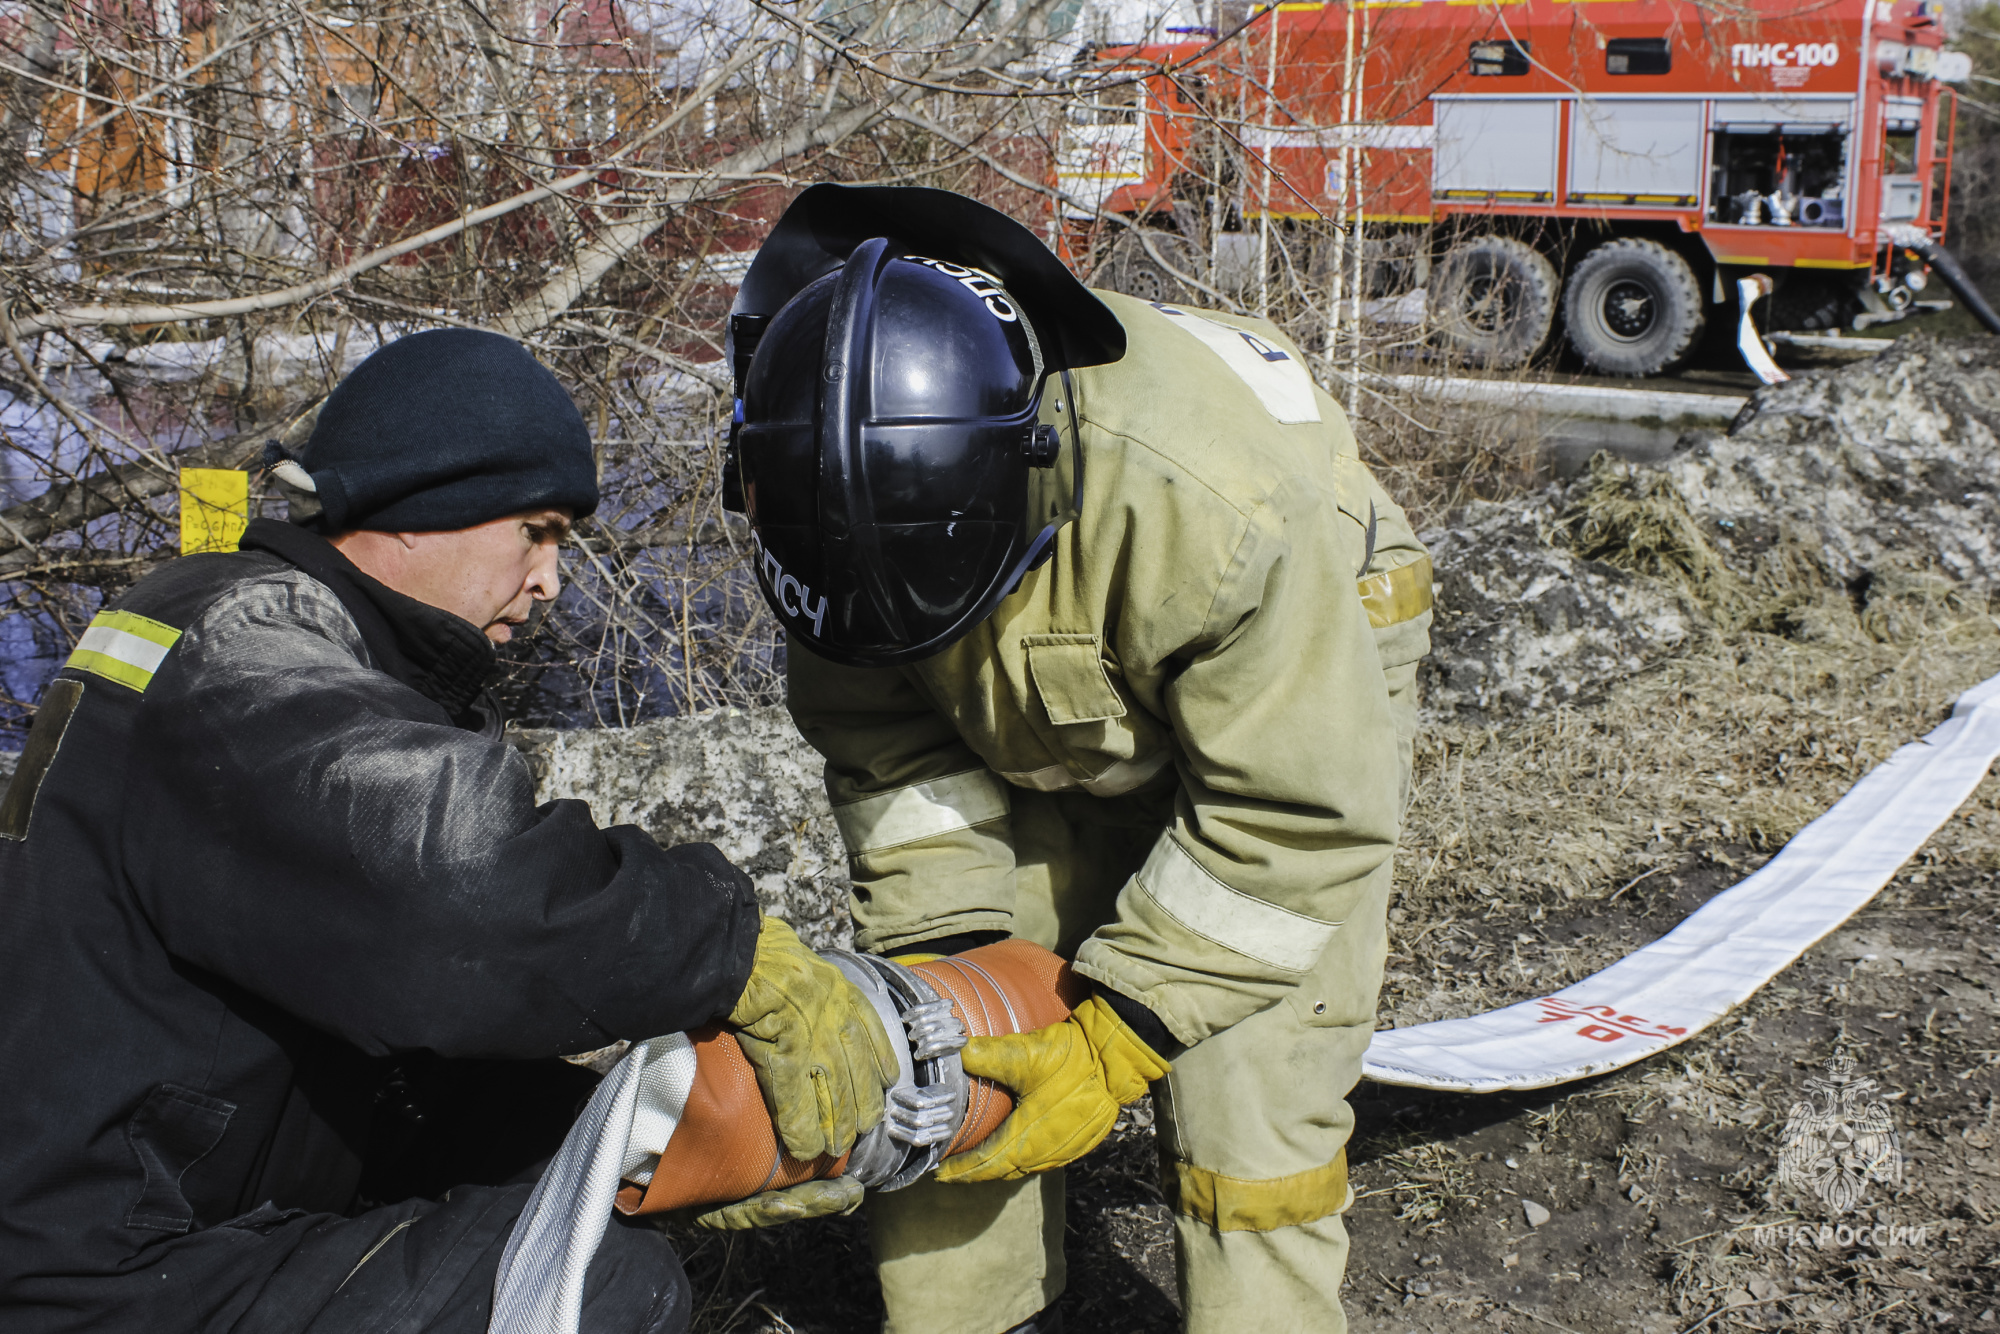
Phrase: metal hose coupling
(925, 1107)
(725, 1147)
(1918, 241)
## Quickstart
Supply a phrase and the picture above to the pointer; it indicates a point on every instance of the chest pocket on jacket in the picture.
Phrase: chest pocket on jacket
(1069, 676)
(174, 1129)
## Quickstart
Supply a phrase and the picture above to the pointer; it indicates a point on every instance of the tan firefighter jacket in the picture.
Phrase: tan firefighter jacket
(1215, 641)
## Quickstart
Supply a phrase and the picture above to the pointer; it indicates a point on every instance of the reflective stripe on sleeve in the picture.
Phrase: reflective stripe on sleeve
(125, 648)
(1186, 892)
(923, 810)
(1397, 595)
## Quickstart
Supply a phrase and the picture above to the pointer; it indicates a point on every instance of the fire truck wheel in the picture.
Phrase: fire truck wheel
(1633, 308)
(1494, 299)
(1133, 271)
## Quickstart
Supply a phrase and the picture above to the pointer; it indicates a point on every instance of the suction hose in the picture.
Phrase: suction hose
(726, 1149)
(1946, 266)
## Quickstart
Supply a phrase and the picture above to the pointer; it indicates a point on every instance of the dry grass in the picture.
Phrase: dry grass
(1741, 742)
(1429, 1180)
(1794, 688)
(1436, 457)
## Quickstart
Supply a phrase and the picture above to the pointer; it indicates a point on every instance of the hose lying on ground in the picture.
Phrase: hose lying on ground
(1664, 993)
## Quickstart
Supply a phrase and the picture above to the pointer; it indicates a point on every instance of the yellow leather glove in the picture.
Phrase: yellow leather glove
(821, 1057)
(810, 1199)
(1068, 1079)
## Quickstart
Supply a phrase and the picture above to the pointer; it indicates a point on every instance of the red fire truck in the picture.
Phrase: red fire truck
(1609, 168)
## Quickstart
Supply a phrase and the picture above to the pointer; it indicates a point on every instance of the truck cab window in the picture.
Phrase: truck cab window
(1638, 55)
(1504, 57)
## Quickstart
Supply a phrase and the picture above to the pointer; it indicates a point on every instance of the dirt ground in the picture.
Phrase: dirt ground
(1539, 851)
(1657, 1179)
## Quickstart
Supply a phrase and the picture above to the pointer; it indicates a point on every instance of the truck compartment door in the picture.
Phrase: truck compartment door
(1780, 162)
(1635, 151)
(1487, 146)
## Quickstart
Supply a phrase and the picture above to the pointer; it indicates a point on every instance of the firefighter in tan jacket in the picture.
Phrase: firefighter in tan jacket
(1115, 653)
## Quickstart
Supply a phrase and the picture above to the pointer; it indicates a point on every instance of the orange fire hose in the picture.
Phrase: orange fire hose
(726, 1148)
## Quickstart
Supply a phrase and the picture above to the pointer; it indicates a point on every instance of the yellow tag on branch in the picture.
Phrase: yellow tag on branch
(215, 509)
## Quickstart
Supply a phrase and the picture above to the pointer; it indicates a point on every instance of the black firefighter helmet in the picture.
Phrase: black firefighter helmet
(890, 346)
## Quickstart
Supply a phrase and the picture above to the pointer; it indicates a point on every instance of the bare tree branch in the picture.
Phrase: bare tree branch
(63, 508)
(620, 240)
(170, 313)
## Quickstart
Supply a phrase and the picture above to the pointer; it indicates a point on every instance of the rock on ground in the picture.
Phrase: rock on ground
(1523, 623)
(742, 779)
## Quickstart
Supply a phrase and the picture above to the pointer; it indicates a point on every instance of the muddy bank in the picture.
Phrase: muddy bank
(1826, 494)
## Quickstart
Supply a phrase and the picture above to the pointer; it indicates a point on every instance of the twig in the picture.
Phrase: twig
(740, 1306)
(1540, 1319)
(1739, 1306)
(67, 316)
(1633, 881)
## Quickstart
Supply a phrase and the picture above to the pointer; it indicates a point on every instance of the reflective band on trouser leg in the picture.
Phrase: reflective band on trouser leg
(1186, 892)
(1397, 595)
(1231, 1204)
(1257, 1114)
(921, 811)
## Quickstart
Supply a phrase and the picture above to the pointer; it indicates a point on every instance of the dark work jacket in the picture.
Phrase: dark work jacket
(274, 859)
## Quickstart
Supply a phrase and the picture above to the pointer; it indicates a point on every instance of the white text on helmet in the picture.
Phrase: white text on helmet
(978, 282)
(782, 584)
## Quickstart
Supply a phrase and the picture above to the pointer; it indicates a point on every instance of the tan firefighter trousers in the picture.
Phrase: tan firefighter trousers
(1252, 1127)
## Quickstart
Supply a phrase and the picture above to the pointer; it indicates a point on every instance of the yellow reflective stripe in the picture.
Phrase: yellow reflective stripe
(1232, 1204)
(125, 648)
(920, 811)
(1186, 891)
(139, 627)
(1397, 595)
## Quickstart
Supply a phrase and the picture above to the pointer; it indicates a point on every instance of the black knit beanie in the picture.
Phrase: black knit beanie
(442, 430)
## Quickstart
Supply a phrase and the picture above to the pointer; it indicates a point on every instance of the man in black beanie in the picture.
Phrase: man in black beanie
(290, 950)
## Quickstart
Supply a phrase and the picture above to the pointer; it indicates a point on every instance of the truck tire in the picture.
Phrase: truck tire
(1494, 299)
(1633, 308)
(1135, 273)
